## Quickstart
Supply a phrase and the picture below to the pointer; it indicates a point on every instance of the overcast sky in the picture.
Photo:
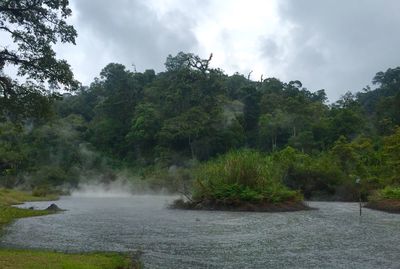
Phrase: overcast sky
(332, 45)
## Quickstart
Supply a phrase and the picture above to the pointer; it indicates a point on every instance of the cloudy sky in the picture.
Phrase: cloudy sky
(332, 45)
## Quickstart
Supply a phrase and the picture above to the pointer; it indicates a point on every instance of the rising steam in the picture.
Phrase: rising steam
(113, 189)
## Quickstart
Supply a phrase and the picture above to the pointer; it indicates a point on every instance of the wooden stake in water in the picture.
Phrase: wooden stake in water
(358, 182)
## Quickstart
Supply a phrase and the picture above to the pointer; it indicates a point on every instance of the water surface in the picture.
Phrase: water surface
(332, 237)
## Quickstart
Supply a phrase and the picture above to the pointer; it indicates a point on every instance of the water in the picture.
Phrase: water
(332, 237)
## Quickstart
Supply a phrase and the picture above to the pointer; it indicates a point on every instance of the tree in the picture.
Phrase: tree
(185, 129)
(391, 153)
(346, 122)
(144, 127)
(187, 60)
(389, 79)
(251, 114)
(12, 153)
(275, 129)
(119, 91)
(33, 26)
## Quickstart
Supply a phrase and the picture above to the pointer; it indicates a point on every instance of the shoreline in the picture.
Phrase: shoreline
(32, 258)
(22, 258)
(385, 205)
(240, 206)
(9, 212)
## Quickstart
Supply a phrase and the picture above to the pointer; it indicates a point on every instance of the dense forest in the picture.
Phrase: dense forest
(122, 154)
(157, 127)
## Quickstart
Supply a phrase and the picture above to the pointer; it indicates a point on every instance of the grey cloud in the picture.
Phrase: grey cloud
(129, 32)
(270, 49)
(338, 45)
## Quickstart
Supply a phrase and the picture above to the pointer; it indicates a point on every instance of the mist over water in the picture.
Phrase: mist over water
(99, 190)
(119, 184)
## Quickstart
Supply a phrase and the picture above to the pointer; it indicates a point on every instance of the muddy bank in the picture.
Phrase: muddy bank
(387, 205)
(234, 205)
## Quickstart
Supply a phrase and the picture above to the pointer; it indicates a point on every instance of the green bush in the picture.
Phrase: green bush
(242, 175)
(390, 192)
(50, 176)
(41, 191)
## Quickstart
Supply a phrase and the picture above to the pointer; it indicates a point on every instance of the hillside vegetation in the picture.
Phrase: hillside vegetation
(159, 127)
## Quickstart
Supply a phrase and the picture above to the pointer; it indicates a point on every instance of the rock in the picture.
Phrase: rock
(31, 208)
(54, 207)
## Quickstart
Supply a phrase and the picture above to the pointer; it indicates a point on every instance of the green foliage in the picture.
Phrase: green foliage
(11, 197)
(391, 155)
(33, 259)
(13, 153)
(41, 191)
(346, 122)
(390, 192)
(386, 199)
(243, 175)
(8, 214)
(316, 176)
(145, 124)
(192, 112)
(332, 174)
(189, 112)
(50, 175)
(33, 26)
(39, 259)
(173, 180)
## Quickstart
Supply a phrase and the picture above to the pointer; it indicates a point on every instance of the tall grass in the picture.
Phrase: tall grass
(389, 192)
(243, 175)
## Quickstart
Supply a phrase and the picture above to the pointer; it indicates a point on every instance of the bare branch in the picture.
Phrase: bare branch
(248, 76)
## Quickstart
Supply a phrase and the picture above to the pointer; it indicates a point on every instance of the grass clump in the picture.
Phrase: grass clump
(8, 214)
(10, 197)
(241, 179)
(30, 259)
(390, 193)
(14, 197)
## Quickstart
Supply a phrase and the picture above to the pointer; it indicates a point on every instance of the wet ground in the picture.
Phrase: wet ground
(332, 237)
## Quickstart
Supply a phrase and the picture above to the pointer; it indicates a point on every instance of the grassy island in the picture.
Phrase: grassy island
(242, 180)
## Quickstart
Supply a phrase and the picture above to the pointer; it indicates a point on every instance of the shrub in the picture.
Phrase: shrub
(243, 175)
(49, 175)
(390, 192)
(41, 191)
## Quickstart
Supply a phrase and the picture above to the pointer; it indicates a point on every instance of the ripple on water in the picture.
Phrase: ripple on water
(332, 237)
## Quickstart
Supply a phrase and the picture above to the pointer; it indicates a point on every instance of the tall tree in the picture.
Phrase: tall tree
(33, 26)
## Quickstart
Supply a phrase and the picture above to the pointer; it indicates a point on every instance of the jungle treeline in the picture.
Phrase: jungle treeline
(161, 126)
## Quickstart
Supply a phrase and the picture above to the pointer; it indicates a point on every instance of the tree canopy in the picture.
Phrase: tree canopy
(33, 27)
(158, 125)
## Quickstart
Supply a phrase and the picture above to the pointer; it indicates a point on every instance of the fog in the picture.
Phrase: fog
(123, 184)
(113, 189)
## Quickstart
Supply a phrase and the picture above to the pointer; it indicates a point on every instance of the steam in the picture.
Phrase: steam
(121, 183)
(232, 110)
(105, 190)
